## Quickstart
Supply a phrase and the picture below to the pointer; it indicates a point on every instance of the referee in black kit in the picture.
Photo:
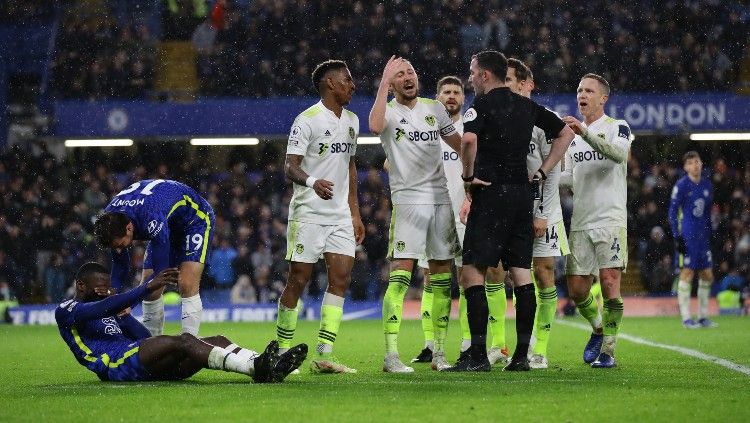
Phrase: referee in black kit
(497, 132)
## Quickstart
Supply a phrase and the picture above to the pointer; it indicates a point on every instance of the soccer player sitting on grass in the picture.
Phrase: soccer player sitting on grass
(106, 339)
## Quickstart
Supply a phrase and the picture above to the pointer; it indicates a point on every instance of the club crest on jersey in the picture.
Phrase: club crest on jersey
(154, 227)
(470, 115)
(323, 149)
(400, 246)
(299, 248)
(400, 134)
(430, 119)
(351, 132)
(601, 135)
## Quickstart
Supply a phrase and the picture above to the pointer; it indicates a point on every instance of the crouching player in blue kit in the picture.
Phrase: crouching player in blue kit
(690, 220)
(106, 339)
(178, 223)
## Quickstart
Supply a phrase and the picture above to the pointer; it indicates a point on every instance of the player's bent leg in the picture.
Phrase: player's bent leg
(153, 307)
(544, 272)
(286, 318)
(393, 307)
(331, 312)
(192, 306)
(497, 304)
(579, 289)
(612, 316)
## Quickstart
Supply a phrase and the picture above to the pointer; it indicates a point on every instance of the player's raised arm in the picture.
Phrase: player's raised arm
(377, 113)
(614, 148)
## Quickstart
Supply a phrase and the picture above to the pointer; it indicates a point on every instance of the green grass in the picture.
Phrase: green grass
(40, 380)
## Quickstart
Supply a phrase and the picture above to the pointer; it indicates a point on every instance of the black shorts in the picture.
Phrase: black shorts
(499, 227)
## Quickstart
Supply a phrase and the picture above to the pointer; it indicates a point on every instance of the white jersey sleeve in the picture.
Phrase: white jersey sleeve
(599, 177)
(326, 143)
(453, 170)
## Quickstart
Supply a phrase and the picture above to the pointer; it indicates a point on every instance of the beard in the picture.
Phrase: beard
(453, 109)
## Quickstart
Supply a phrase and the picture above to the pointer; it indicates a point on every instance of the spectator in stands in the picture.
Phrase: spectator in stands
(243, 292)
(220, 263)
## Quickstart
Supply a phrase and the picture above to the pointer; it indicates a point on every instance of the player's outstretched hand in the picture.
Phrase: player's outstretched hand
(463, 214)
(576, 125)
(540, 227)
(391, 69)
(359, 230)
(324, 189)
(104, 292)
(164, 278)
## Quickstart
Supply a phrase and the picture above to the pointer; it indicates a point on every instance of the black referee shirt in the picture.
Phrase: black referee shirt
(503, 122)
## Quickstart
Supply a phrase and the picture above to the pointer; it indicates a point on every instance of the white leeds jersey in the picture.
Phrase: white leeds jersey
(599, 183)
(411, 140)
(539, 149)
(326, 143)
(453, 171)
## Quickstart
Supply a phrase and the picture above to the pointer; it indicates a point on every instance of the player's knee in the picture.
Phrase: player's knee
(186, 340)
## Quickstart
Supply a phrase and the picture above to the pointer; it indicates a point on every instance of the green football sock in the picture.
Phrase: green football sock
(612, 318)
(441, 307)
(463, 320)
(393, 307)
(596, 291)
(545, 314)
(286, 324)
(425, 309)
(331, 312)
(590, 311)
(497, 303)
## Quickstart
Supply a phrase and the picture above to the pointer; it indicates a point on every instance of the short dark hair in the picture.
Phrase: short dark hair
(692, 154)
(322, 69)
(449, 80)
(88, 269)
(523, 73)
(493, 61)
(110, 226)
(600, 79)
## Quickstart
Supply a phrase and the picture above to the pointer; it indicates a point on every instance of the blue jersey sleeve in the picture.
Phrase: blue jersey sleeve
(132, 328)
(83, 312)
(120, 268)
(675, 204)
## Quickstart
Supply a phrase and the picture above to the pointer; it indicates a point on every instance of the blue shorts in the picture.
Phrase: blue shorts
(191, 243)
(697, 255)
(125, 366)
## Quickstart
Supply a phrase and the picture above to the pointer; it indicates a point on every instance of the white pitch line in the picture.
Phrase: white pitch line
(682, 350)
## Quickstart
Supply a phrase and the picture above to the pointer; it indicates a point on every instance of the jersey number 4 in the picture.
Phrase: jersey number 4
(147, 190)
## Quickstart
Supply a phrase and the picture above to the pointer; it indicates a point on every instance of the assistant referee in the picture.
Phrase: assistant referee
(497, 130)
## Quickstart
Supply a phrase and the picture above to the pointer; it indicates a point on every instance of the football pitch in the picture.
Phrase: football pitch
(41, 381)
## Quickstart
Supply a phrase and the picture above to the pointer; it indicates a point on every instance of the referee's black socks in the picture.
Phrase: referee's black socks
(477, 314)
(525, 310)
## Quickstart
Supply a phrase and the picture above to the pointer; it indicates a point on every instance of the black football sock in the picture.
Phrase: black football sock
(525, 310)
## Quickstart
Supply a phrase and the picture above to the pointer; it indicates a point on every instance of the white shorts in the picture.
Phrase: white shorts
(423, 231)
(554, 243)
(461, 231)
(306, 242)
(595, 249)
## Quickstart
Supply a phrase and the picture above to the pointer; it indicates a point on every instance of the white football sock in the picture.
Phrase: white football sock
(429, 344)
(683, 299)
(192, 311)
(153, 316)
(222, 359)
(465, 344)
(704, 293)
(243, 353)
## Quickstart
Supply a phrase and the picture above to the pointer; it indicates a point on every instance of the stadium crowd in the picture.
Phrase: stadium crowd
(47, 209)
(267, 48)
